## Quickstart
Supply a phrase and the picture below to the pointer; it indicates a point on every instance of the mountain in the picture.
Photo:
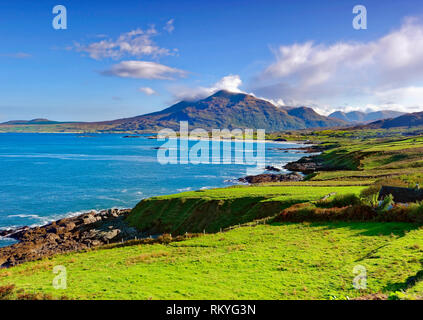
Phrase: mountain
(230, 110)
(358, 116)
(312, 119)
(406, 120)
(221, 110)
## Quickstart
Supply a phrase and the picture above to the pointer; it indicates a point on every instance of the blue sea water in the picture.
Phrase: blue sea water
(44, 177)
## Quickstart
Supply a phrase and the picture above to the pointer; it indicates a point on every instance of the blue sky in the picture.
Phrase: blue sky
(290, 52)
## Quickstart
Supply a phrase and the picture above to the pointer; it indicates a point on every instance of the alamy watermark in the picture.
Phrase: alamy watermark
(360, 281)
(360, 20)
(60, 21)
(220, 146)
(60, 281)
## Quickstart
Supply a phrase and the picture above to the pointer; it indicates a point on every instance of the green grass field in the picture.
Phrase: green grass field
(278, 261)
(268, 192)
(211, 210)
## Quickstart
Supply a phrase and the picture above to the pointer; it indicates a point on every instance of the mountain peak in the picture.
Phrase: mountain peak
(226, 94)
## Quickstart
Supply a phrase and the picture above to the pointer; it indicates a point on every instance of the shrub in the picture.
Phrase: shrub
(370, 191)
(6, 292)
(340, 201)
(386, 204)
(310, 176)
(34, 296)
(415, 211)
(307, 212)
(9, 292)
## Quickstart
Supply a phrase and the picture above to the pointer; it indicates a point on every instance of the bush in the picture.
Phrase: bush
(387, 211)
(340, 201)
(386, 204)
(308, 212)
(6, 292)
(370, 191)
(310, 176)
(416, 211)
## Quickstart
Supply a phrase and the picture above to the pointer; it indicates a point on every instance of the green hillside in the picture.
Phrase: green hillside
(211, 210)
(277, 261)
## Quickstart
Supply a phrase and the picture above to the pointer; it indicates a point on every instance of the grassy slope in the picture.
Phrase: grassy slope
(280, 261)
(211, 210)
(373, 159)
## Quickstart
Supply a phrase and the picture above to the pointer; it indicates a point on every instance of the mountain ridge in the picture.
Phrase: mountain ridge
(359, 116)
(406, 120)
(223, 109)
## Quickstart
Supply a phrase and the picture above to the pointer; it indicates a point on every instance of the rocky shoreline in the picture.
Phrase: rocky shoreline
(305, 165)
(271, 177)
(90, 229)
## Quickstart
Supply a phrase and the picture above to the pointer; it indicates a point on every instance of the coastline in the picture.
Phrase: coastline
(83, 230)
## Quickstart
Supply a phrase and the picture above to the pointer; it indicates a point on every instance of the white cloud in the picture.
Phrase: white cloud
(169, 27)
(147, 90)
(144, 70)
(230, 83)
(136, 43)
(384, 71)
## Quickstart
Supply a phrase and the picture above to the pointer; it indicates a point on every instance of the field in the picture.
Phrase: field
(277, 261)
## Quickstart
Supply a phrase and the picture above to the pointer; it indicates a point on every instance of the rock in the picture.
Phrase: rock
(107, 236)
(272, 168)
(265, 178)
(305, 165)
(52, 237)
(70, 226)
(96, 243)
(89, 219)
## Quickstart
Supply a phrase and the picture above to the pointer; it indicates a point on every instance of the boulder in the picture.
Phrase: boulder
(52, 237)
(272, 168)
(107, 236)
(70, 226)
(89, 219)
(265, 178)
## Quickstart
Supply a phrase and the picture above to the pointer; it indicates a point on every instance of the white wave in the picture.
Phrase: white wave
(82, 157)
(32, 216)
(54, 217)
(184, 189)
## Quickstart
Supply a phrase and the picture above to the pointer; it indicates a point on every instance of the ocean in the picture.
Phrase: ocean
(45, 177)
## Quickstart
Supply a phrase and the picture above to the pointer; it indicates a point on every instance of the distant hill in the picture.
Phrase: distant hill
(33, 121)
(221, 110)
(406, 120)
(358, 116)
